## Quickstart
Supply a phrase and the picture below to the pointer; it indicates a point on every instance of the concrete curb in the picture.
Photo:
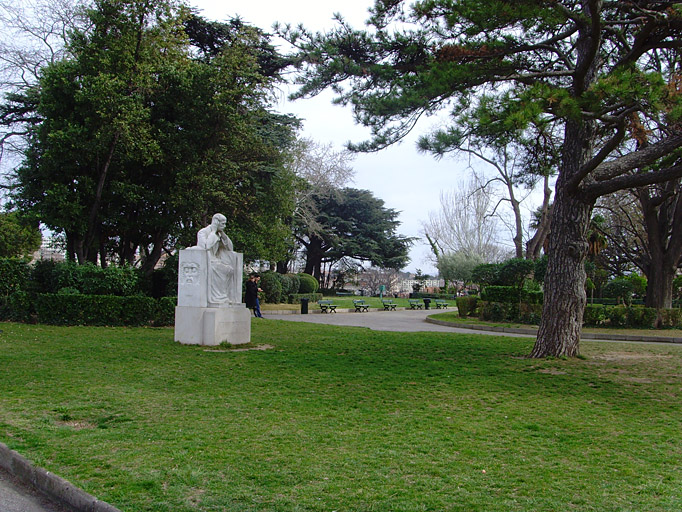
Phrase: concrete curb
(533, 332)
(49, 484)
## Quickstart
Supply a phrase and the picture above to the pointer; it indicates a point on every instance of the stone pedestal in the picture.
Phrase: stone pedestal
(198, 321)
(213, 326)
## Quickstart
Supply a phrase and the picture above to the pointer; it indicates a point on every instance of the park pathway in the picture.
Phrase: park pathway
(401, 320)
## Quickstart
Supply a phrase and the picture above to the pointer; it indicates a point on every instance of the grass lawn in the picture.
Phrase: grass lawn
(453, 316)
(345, 419)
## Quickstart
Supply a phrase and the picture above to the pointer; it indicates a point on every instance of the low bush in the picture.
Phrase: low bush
(529, 313)
(466, 306)
(295, 298)
(641, 317)
(498, 311)
(618, 316)
(670, 318)
(594, 315)
(308, 283)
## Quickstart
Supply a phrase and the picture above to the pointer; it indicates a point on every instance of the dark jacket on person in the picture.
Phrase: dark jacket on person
(251, 294)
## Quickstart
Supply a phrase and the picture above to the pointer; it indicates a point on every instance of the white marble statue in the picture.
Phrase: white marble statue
(221, 272)
(210, 309)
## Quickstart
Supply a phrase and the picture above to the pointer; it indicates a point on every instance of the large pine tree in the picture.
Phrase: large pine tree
(602, 70)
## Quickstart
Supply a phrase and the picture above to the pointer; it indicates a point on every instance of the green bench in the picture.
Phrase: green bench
(327, 306)
(360, 305)
(440, 304)
(415, 303)
(389, 305)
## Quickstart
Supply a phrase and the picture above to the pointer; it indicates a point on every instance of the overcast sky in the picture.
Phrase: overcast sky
(407, 181)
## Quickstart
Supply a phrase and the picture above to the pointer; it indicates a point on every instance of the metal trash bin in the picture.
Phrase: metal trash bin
(304, 306)
(427, 303)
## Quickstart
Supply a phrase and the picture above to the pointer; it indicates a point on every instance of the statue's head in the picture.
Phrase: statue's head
(219, 221)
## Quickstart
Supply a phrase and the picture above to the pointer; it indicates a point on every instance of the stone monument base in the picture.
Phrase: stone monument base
(213, 326)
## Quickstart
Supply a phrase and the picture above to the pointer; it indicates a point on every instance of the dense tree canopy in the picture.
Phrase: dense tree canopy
(352, 223)
(154, 121)
(604, 75)
(17, 237)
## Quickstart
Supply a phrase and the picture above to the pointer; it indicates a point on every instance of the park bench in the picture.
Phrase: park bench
(389, 305)
(415, 303)
(327, 306)
(344, 293)
(440, 304)
(360, 305)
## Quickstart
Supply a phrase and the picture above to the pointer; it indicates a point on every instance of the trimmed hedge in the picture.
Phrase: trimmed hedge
(14, 274)
(112, 310)
(295, 298)
(500, 294)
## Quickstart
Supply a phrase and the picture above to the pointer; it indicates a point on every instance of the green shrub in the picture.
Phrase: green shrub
(17, 307)
(532, 296)
(595, 314)
(515, 271)
(295, 283)
(290, 284)
(308, 283)
(295, 298)
(641, 317)
(498, 311)
(617, 316)
(88, 279)
(670, 318)
(620, 288)
(272, 287)
(165, 312)
(81, 309)
(112, 280)
(529, 313)
(466, 306)
(14, 275)
(500, 294)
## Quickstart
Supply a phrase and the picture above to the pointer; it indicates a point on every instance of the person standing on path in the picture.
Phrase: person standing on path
(251, 296)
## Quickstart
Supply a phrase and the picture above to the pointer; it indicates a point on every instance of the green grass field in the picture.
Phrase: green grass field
(344, 419)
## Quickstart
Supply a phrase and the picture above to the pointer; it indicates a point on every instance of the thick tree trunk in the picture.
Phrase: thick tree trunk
(565, 296)
(659, 289)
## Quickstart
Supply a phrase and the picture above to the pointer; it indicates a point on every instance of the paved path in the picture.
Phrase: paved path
(401, 320)
(406, 320)
(15, 497)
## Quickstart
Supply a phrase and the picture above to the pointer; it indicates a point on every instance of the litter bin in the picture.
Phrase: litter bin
(304, 306)
(427, 303)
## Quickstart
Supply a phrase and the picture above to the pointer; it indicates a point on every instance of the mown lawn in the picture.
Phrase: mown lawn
(344, 419)
(453, 316)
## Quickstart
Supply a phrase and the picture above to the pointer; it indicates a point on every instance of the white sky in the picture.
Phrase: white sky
(406, 180)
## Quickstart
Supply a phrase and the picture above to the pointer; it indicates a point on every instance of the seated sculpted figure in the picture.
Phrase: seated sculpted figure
(221, 261)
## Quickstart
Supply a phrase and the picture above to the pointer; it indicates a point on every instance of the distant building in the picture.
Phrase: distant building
(50, 249)
(428, 285)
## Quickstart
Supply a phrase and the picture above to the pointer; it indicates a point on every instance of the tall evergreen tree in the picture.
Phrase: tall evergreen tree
(352, 223)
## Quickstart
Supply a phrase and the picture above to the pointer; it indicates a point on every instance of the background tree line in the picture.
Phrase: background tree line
(151, 119)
